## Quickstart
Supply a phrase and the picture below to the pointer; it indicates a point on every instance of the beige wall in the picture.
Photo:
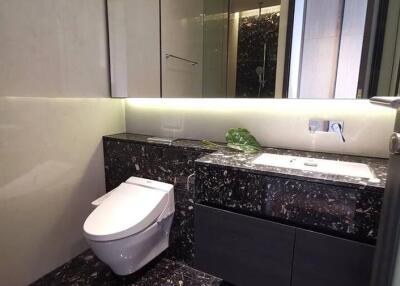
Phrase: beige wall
(53, 48)
(281, 123)
(54, 109)
(51, 169)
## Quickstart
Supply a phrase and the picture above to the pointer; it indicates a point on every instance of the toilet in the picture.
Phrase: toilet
(131, 224)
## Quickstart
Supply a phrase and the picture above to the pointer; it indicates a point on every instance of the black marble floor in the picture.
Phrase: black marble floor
(86, 269)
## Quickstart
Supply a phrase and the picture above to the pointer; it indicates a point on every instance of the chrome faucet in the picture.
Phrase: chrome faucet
(318, 125)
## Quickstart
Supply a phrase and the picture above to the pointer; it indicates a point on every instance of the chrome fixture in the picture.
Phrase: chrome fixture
(319, 125)
(161, 140)
(260, 71)
(394, 144)
(387, 248)
(389, 101)
(167, 56)
(393, 102)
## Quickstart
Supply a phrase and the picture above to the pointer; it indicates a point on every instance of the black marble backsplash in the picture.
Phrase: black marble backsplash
(127, 155)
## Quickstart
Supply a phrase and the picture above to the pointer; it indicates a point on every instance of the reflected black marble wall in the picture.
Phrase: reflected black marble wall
(254, 32)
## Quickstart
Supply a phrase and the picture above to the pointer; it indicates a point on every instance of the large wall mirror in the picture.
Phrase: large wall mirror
(319, 49)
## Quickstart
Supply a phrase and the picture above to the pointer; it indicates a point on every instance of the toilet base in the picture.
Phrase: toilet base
(127, 255)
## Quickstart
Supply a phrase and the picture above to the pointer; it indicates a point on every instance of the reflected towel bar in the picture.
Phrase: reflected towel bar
(167, 56)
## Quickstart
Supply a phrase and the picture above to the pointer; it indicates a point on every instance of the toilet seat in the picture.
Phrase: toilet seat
(129, 209)
(131, 224)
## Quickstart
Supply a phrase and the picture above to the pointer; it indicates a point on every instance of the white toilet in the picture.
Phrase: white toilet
(130, 225)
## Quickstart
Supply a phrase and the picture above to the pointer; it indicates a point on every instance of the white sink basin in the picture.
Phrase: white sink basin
(317, 165)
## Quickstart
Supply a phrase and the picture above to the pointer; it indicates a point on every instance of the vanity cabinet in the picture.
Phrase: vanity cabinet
(245, 250)
(241, 249)
(321, 259)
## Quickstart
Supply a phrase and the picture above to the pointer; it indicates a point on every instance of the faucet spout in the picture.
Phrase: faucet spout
(337, 127)
(332, 126)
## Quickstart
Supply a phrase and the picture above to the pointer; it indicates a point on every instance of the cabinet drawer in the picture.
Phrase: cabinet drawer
(330, 261)
(243, 250)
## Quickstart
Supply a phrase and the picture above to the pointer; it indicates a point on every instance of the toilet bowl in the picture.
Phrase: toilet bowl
(131, 224)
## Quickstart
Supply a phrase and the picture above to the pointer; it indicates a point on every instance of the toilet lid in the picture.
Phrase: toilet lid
(128, 210)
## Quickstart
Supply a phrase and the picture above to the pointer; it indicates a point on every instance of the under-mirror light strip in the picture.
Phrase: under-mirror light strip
(295, 106)
(186, 103)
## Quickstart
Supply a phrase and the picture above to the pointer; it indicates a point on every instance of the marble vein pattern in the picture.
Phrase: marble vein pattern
(322, 202)
(127, 155)
(319, 202)
(244, 161)
(87, 270)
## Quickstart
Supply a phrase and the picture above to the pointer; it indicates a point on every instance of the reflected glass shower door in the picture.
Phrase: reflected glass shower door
(215, 47)
(181, 48)
(244, 48)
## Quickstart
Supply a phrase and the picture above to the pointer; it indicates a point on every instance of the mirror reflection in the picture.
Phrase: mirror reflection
(300, 49)
(287, 48)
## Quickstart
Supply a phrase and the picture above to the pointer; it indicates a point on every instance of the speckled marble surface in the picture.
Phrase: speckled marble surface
(322, 202)
(140, 138)
(244, 161)
(87, 270)
(315, 201)
(127, 155)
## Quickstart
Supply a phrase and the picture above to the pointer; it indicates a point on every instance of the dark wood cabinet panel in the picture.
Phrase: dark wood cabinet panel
(243, 250)
(321, 259)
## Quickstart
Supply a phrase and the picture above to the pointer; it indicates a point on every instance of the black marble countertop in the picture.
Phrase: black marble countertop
(243, 161)
(181, 143)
